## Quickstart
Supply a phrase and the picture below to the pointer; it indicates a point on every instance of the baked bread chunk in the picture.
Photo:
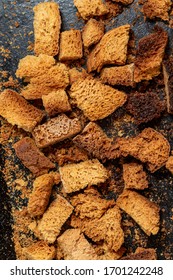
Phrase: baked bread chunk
(88, 8)
(32, 157)
(118, 75)
(112, 49)
(169, 164)
(54, 218)
(92, 32)
(74, 246)
(157, 9)
(70, 45)
(34, 91)
(134, 176)
(39, 250)
(55, 130)
(39, 198)
(56, 102)
(149, 56)
(97, 143)
(150, 147)
(104, 253)
(18, 111)
(142, 254)
(168, 80)
(47, 24)
(77, 73)
(96, 100)
(77, 176)
(143, 211)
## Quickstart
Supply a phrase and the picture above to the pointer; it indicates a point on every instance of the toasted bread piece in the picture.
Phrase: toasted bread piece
(112, 49)
(169, 164)
(142, 254)
(31, 66)
(56, 102)
(97, 143)
(39, 198)
(105, 253)
(134, 176)
(74, 246)
(118, 75)
(149, 56)
(76, 74)
(31, 157)
(70, 45)
(34, 91)
(88, 8)
(55, 130)
(150, 147)
(157, 9)
(47, 24)
(54, 218)
(39, 250)
(168, 80)
(96, 100)
(77, 176)
(18, 111)
(92, 32)
(143, 211)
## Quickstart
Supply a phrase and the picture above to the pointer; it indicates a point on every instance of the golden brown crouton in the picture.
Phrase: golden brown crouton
(32, 157)
(168, 80)
(96, 100)
(39, 250)
(143, 211)
(54, 218)
(34, 91)
(47, 24)
(112, 49)
(18, 111)
(157, 9)
(56, 130)
(150, 147)
(134, 176)
(142, 254)
(88, 8)
(149, 56)
(39, 198)
(78, 176)
(70, 45)
(169, 164)
(92, 32)
(56, 102)
(74, 246)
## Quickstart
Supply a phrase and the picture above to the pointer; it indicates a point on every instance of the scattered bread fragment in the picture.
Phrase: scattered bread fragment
(74, 246)
(77, 73)
(53, 219)
(77, 176)
(157, 9)
(134, 176)
(169, 164)
(31, 157)
(142, 254)
(35, 91)
(47, 24)
(92, 32)
(39, 250)
(105, 253)
(143, 211)
(150, 147)
(56, 130)
(168, 80)
(96, 100)
(18, 111)
(88, 8)
(112, 49)
(97, 143)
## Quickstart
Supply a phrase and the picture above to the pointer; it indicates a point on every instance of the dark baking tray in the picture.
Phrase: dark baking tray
(16, 26)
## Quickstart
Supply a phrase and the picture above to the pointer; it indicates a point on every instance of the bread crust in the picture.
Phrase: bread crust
(157, 9)
(92, 32)
(88, 8)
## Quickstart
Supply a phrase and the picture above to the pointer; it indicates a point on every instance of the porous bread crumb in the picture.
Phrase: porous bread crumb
(169, 164)
(96, 100)
(77, 73)
(143, 211)
(142, 254)
(157, 9)
(39, 250)
(88, 8)
(36, 91)
(74, 246)
(77, 176)
(105, 253)
(92, 32)
(53, 219)
(134, 176)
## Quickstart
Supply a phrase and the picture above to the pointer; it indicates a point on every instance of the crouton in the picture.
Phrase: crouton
(18, 111)
(149, 56)
(134, 176)
(88, 8)
(150, 147)
(142, 254)
(96, 100)
(70, 45)
(92, 32)
(76, 74)
(55, 130)
(53, 219)
(112, 49)
(104, 253)
(47, 24)
(39, 250)
(168, 80)
(143, 211)
(34, 91)
(78, 176)
(157, 9)
(169, 164)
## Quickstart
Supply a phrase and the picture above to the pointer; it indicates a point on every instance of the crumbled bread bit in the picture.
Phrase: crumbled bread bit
(34, 91)
(157, 9)
(92, 32)
(39, 250)
(105, 253)
(134, 176)
(88, 8)
(78, 176)
(76, 74)
(142, 254)
(168, 80)
(142, 210)
(169, 164)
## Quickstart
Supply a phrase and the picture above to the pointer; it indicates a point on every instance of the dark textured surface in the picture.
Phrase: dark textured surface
(16, 26)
